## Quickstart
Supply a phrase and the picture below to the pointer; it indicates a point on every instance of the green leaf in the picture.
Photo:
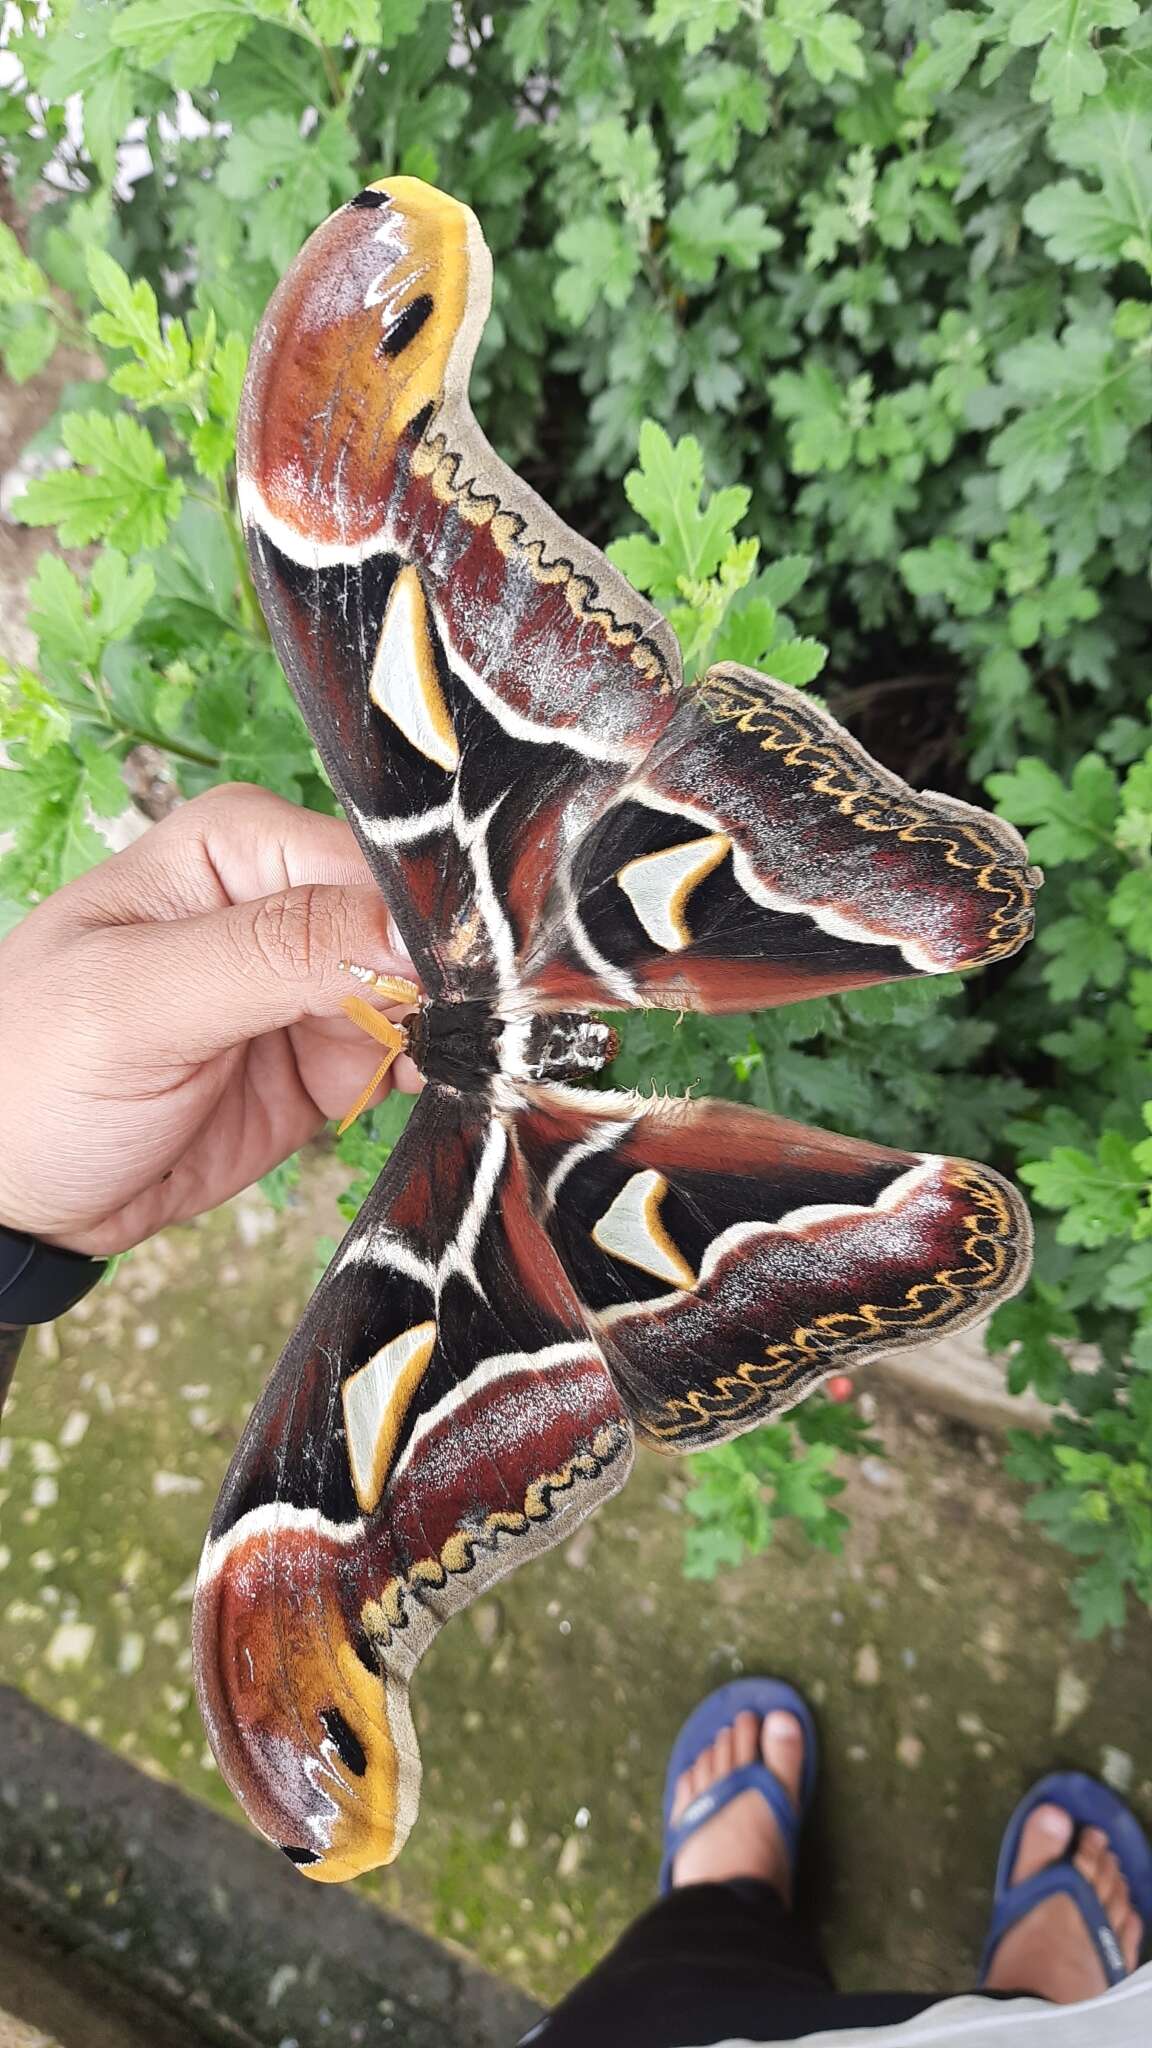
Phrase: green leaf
(949, 569)
(1033, 1327)
(120, 594)
(335, 19)
(121, 492)
(131, 318)
(21, 280)
(1078, 395)
(1083, 954)
(193, 36)
(935, 71)
(822, 426)
(289, 182)
(281, 1182)
(28, 337)
(693, 533)
(780, 581)
(53, 808)
(397, 18)
(1070, 66)
(1069, 822)
(1130, 910)
(828, 40)
(31, 720)
(1100, 1196)
(728, 100)
(696, 22)
(83, 60)
(1092, 224)
(796, 661)
(57, 615)
(629, 160)
(27, 326)
(1098, 1594)
(1079, 227)
(709, 226)
(601, 262)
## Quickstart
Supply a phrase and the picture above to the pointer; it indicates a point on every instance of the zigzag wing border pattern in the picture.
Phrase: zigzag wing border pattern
(801, 1253)
(974, 841)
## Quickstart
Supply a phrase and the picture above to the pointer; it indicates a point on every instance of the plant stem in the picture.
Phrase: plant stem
(139, 735)
(250, 611)
(351, 84)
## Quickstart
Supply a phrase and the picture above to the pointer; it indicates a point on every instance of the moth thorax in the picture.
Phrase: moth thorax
(564, 1046)
(455, 1043)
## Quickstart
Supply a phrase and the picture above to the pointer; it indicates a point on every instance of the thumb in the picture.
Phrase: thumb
(200, 985)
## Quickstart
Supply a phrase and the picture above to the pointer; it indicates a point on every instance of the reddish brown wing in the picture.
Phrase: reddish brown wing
(758, 855)
(730, 1260)
(441, 1414)
(477, 678)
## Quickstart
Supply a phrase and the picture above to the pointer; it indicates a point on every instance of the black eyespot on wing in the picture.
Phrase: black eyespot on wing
(407, 327)
(347, 1743)
(370, 198)
(420, 420)
(362, 1643)
(298, 1855)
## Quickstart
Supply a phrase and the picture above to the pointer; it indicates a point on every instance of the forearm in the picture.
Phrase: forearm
(11, 1338)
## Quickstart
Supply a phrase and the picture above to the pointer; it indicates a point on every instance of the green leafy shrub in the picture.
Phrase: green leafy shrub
(881, 275)
(782, 1471)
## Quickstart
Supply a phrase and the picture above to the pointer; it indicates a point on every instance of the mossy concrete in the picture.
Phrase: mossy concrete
(161, 1925)
(939, 1650)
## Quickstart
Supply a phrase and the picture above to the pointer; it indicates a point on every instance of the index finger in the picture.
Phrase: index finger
(235, 844)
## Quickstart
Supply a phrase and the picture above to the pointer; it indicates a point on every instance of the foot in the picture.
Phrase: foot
(743, 1839)
(1050, 1951)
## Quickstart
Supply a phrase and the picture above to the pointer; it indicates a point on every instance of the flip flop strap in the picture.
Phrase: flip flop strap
(1058, 1880)
(754, 1777)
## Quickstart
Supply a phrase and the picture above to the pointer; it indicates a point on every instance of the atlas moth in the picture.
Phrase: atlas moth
(546, 1272)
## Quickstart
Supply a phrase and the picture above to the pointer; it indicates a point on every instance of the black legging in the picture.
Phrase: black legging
(710, 1962)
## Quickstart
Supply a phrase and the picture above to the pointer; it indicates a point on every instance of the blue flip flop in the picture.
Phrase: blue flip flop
(1089, 1804)
(759, 1696)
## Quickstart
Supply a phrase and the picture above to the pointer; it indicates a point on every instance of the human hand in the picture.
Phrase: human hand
(169, 1023)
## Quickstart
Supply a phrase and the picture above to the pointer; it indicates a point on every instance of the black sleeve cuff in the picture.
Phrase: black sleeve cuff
(39, 1281)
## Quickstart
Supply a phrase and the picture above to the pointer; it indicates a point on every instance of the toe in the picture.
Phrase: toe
(1109, 1884)
(1044, 1839)
(723, 1750)
(703, 1772)
(1130, 1934)
(745, 1739)
(682, 1796)
(1092, 1855)
(782, 1744)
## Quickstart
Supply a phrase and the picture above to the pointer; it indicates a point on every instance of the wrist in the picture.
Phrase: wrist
(40, 1281)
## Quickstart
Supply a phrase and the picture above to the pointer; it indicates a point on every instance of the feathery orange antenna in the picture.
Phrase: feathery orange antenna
(392, 1037)
(395, 986)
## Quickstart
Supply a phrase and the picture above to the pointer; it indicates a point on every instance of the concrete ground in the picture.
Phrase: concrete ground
(47, 2002)
(939, 1650)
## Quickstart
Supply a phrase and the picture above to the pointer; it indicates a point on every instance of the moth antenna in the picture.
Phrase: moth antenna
(396, 986)
(392, 1037)
(362, 1100)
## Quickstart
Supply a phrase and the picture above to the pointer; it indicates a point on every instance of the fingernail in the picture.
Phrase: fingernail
(1053, 1821)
